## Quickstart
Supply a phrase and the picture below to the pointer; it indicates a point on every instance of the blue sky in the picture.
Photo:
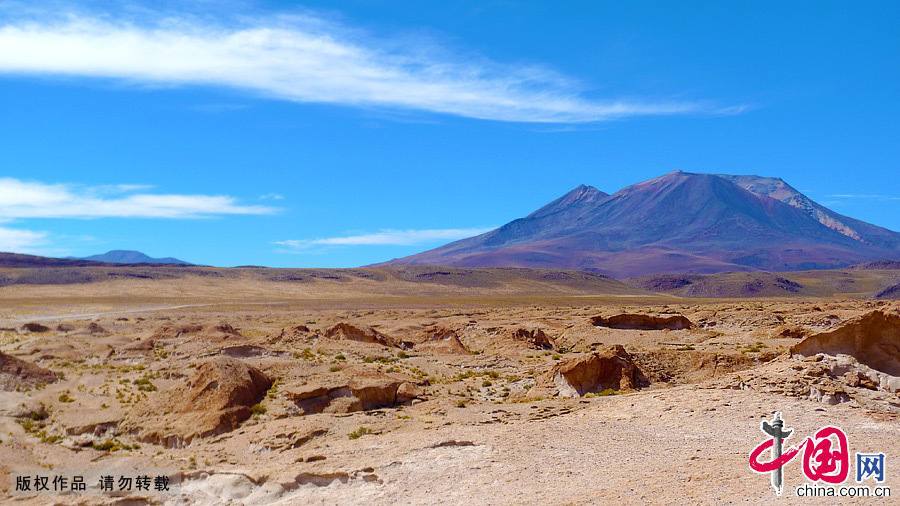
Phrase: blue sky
(305, 134)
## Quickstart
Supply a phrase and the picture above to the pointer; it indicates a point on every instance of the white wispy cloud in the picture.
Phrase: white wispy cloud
(387, 238)
(307, 59)
(27, 199)
(865, 196)
(21, 241)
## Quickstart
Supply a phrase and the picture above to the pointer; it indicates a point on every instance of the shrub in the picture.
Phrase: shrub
(360, 432)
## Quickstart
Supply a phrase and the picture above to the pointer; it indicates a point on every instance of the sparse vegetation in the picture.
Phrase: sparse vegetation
(602, 393)
(111, 445)
(360, 432)
(144, 384)
(306, 354)
(753, 348)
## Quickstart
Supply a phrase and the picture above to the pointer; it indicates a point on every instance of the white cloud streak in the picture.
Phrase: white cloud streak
(306, 59)
(24, 199)
(21, 241)
(387, 238)
(864, 196)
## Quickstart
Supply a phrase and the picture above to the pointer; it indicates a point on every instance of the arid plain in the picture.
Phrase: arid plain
(430, 385)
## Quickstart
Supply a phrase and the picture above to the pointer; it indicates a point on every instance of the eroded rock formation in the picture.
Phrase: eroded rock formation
(362, 335)
(628, 321)
(17, 374)
(215, 400)
(872, 339)
(535, 338)
(363, 391)
(612, 369)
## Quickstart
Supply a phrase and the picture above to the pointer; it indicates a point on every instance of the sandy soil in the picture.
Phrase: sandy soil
(428, 399)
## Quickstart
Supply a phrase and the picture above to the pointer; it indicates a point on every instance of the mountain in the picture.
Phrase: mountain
(132, 257)
(680, 222)
(16, 260)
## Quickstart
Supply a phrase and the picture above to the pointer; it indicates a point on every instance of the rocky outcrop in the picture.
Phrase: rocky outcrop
(295, 332)
(628, 321)
(872, 339)
(35, 327)
(536, 338)
(362, 335)
(173, 331)
(364, 390)
(17, 374)
(215, 400)
(219, 332)
(443, 341)
(612, 369)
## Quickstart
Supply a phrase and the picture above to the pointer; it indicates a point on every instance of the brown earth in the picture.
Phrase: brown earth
(230, 384)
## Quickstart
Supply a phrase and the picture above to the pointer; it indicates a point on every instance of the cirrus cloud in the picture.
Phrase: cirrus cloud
(386, 237)
(28, 199)
(307, 59)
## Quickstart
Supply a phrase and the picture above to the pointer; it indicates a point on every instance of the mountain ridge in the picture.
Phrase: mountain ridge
(119, 256)
(677, 222)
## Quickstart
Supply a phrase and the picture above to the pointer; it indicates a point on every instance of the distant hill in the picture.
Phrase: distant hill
(132, 257)
(677, 223)
(20, 260)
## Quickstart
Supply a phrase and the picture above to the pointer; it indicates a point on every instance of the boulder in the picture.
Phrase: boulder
(629, 321)
(215, 400)
(17, 374)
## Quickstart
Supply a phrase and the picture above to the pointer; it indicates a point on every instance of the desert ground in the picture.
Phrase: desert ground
(430, 386)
